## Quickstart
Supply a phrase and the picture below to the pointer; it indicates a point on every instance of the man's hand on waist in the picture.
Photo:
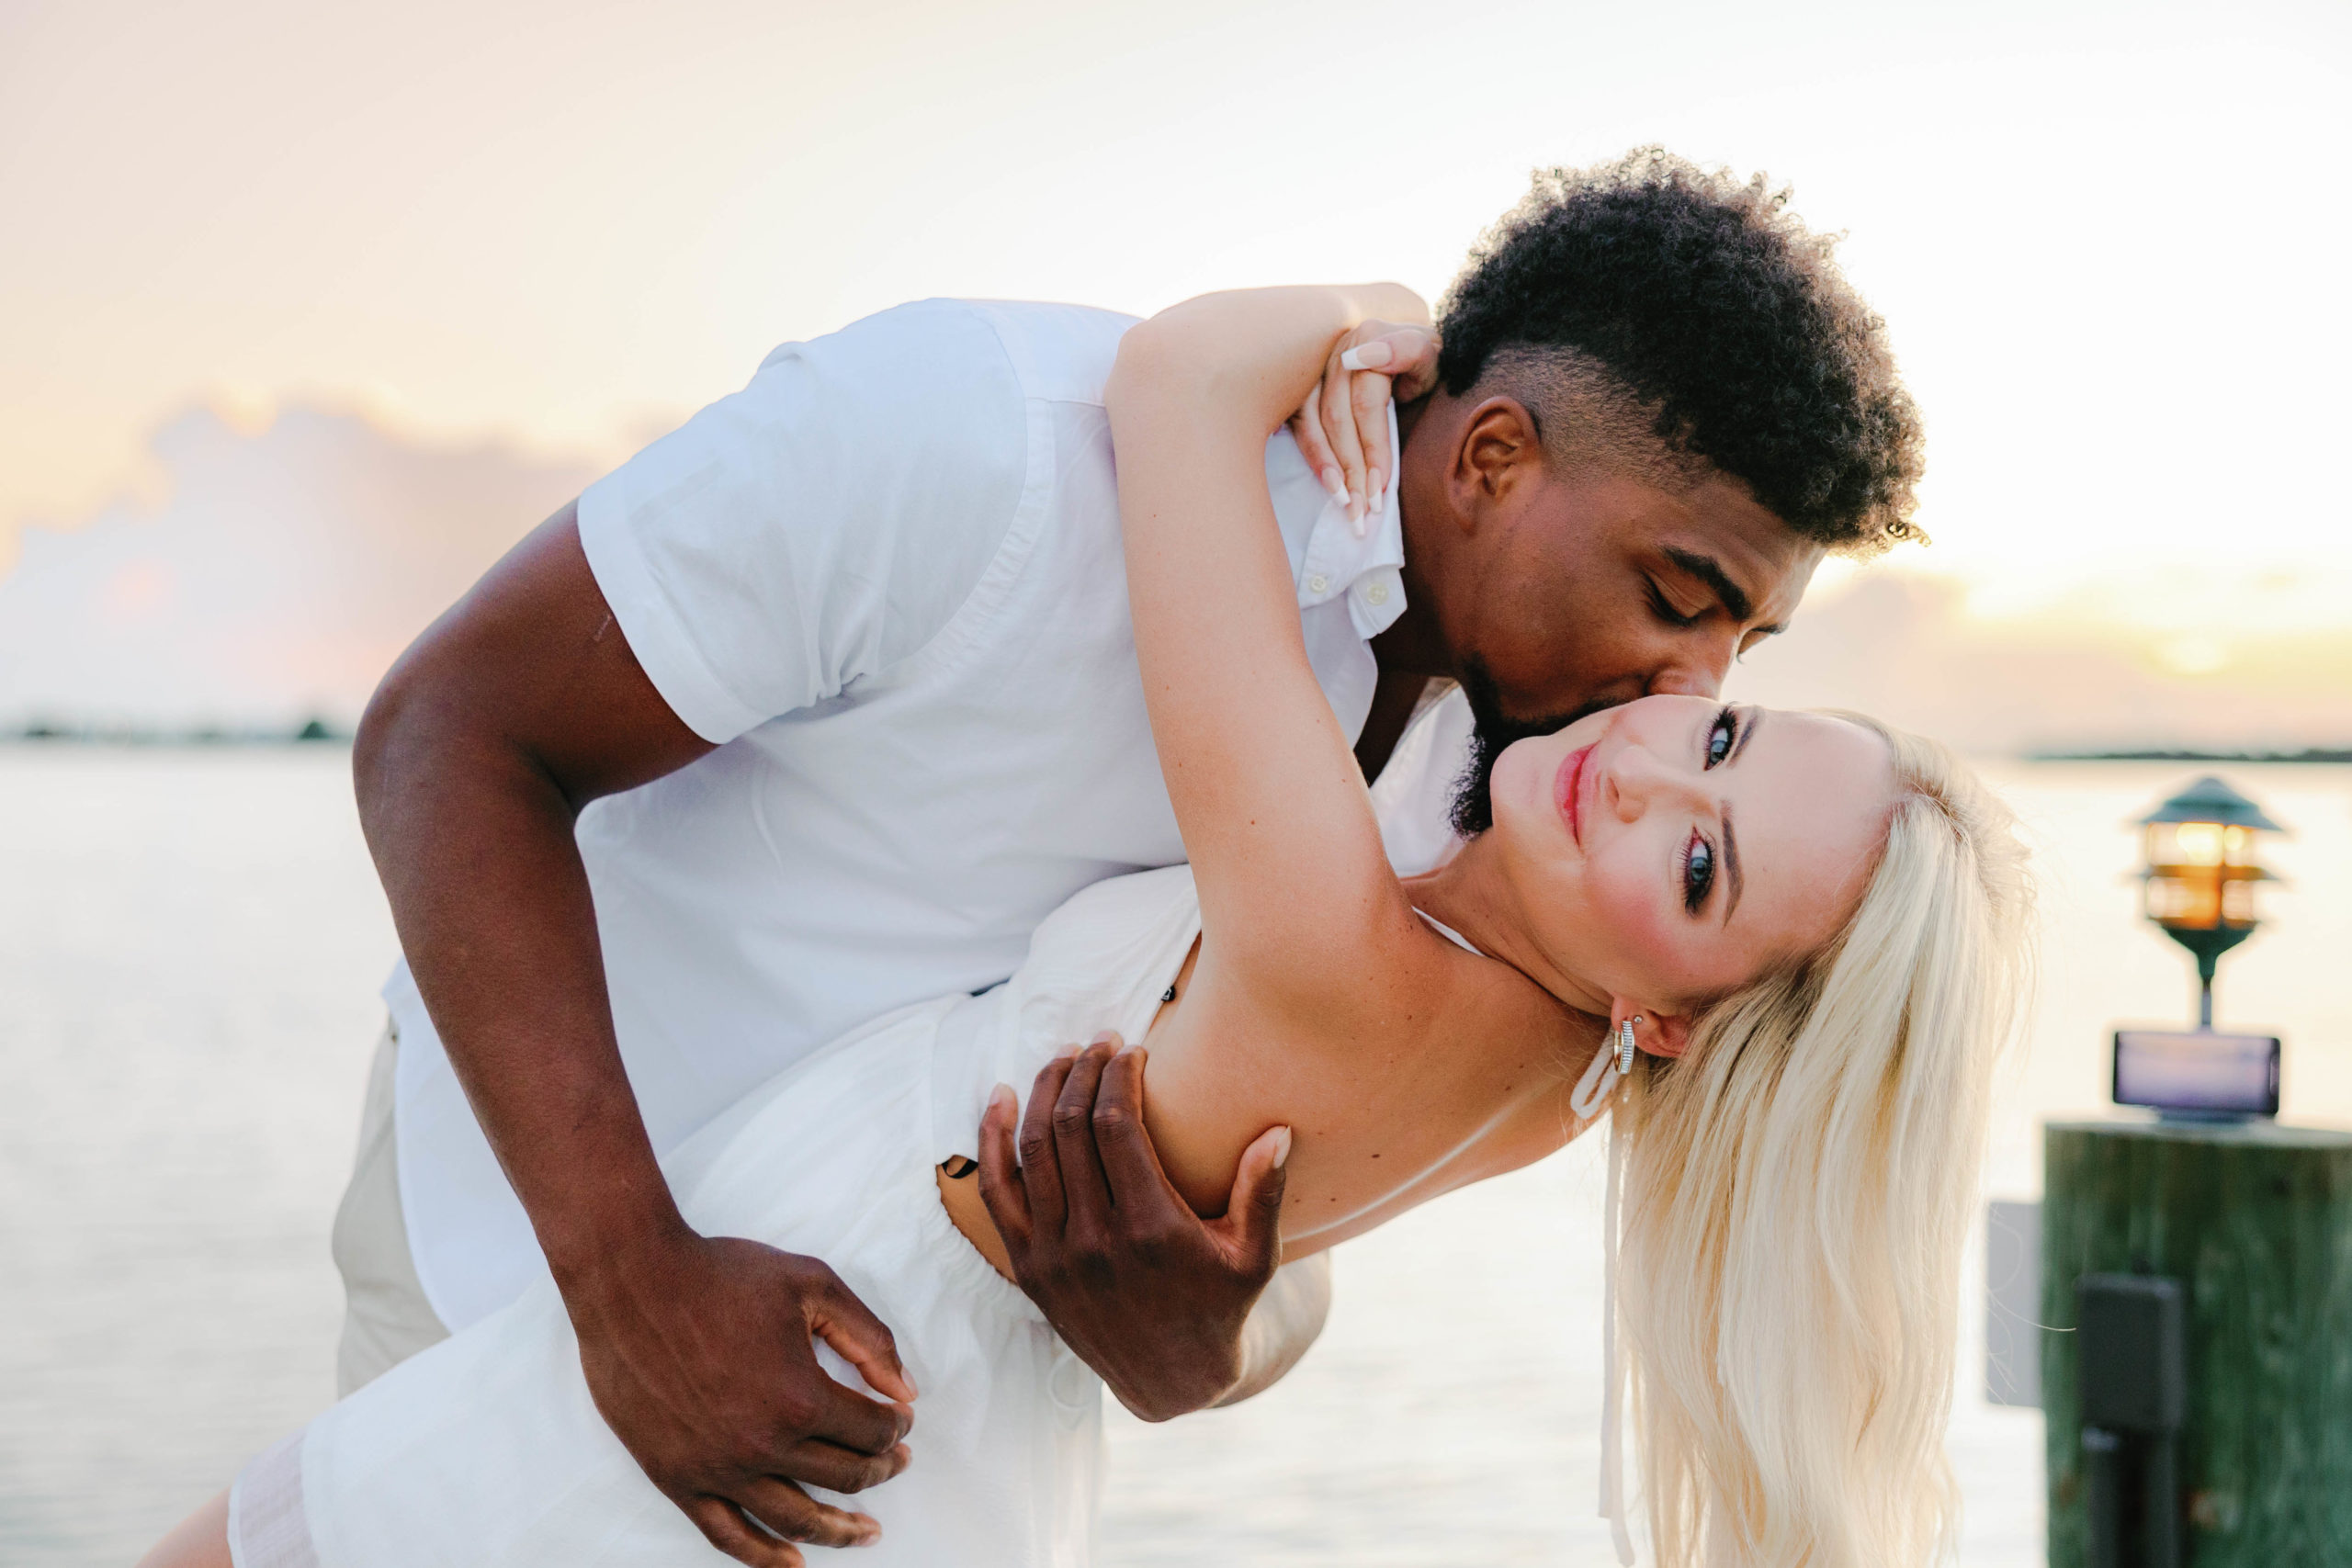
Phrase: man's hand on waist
(699, 1354)
(1149, 1294)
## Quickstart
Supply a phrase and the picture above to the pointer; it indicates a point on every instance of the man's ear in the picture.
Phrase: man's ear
(1663, 1034)
(1498, 452)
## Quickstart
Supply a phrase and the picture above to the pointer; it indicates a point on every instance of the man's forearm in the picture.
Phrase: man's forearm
(470, 767)
(509, 715)
(1287, 1320)
(474, 844)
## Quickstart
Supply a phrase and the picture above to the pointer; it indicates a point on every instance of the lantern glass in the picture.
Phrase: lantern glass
(2192, 899)
(2197, 843)
(2201, 876)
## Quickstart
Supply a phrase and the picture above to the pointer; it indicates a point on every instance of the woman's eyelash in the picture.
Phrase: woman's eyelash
(1698, 873)
(1721, 735)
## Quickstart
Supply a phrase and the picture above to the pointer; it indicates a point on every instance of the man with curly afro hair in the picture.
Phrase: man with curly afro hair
(851, 651)
(1659, 405)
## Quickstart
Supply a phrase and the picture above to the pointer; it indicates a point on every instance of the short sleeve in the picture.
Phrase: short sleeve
(818, 525)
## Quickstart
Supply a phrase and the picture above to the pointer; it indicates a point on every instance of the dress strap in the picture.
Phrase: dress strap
(1456, 937)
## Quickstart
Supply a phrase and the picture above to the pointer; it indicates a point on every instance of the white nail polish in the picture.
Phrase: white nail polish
(1352, 359)
(1378, 491)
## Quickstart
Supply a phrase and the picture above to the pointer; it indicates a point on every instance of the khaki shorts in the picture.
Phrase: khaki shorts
(385, 1318)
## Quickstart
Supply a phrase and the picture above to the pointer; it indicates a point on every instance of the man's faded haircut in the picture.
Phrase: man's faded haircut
(1664, 320)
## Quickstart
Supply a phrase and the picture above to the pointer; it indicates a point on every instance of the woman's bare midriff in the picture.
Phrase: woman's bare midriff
(960, 1195)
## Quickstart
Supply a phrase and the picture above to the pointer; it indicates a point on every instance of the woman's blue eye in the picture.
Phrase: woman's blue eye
(1698, 873)
(1720, 736)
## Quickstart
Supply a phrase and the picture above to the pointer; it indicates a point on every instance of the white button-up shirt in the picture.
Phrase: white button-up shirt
(886, 579)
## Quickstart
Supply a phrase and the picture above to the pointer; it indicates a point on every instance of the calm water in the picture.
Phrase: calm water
(189, 949)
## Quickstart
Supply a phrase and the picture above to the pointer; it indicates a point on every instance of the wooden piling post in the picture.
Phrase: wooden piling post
(2255, 1220)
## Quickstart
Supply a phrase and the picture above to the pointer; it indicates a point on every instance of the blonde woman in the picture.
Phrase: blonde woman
(1778, 944)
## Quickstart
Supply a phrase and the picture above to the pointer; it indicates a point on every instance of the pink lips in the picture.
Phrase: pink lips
(1568, 790)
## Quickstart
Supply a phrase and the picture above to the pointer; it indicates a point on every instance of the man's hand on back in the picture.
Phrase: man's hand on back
(700, 1358)
(1146, 1292)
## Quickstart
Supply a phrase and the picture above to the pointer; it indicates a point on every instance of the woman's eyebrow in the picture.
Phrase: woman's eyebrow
(1731, 866)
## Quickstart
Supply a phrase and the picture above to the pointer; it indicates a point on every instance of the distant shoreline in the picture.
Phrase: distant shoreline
(312, 732)
(2308, 754)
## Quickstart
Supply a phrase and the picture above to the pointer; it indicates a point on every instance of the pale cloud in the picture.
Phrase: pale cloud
(291, 559)
(2123, 663)
(286, 564)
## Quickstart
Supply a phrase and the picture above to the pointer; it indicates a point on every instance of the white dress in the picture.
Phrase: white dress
(486, 1450)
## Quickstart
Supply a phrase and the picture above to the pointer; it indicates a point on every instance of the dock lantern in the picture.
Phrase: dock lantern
(2199, 879)
(2178, 1254)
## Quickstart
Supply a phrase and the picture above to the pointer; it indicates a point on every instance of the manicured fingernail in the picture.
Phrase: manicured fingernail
(1002, 1095)
(1358, 525)
(1366, 357)
(1282, 1147)
(1069, 1053)
(1108, 1037)
(1336, 484)
(1378, 491)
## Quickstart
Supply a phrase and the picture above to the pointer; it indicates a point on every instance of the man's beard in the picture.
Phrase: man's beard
(1492, 733)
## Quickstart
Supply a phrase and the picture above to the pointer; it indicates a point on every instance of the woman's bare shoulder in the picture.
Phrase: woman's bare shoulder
(1439, 1065)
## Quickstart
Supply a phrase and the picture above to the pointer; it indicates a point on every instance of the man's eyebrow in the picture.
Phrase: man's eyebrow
(1710, 570)
(1731, 866)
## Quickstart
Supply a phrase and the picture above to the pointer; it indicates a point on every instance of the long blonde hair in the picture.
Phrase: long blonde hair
(1798, 1189)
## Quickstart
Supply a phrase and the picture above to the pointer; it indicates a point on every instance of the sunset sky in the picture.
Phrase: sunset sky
(2108, 240)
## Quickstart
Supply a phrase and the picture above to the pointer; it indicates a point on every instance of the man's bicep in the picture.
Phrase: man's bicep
(533, 658)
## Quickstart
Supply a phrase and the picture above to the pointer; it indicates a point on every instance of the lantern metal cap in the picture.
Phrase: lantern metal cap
(2211, 799)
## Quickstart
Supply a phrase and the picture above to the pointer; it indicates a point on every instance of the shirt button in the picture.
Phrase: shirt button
(1317, 583)
(1377, 593)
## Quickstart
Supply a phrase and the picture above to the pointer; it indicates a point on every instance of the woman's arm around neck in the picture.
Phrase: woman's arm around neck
(1296, 895)
(1319, 1002)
